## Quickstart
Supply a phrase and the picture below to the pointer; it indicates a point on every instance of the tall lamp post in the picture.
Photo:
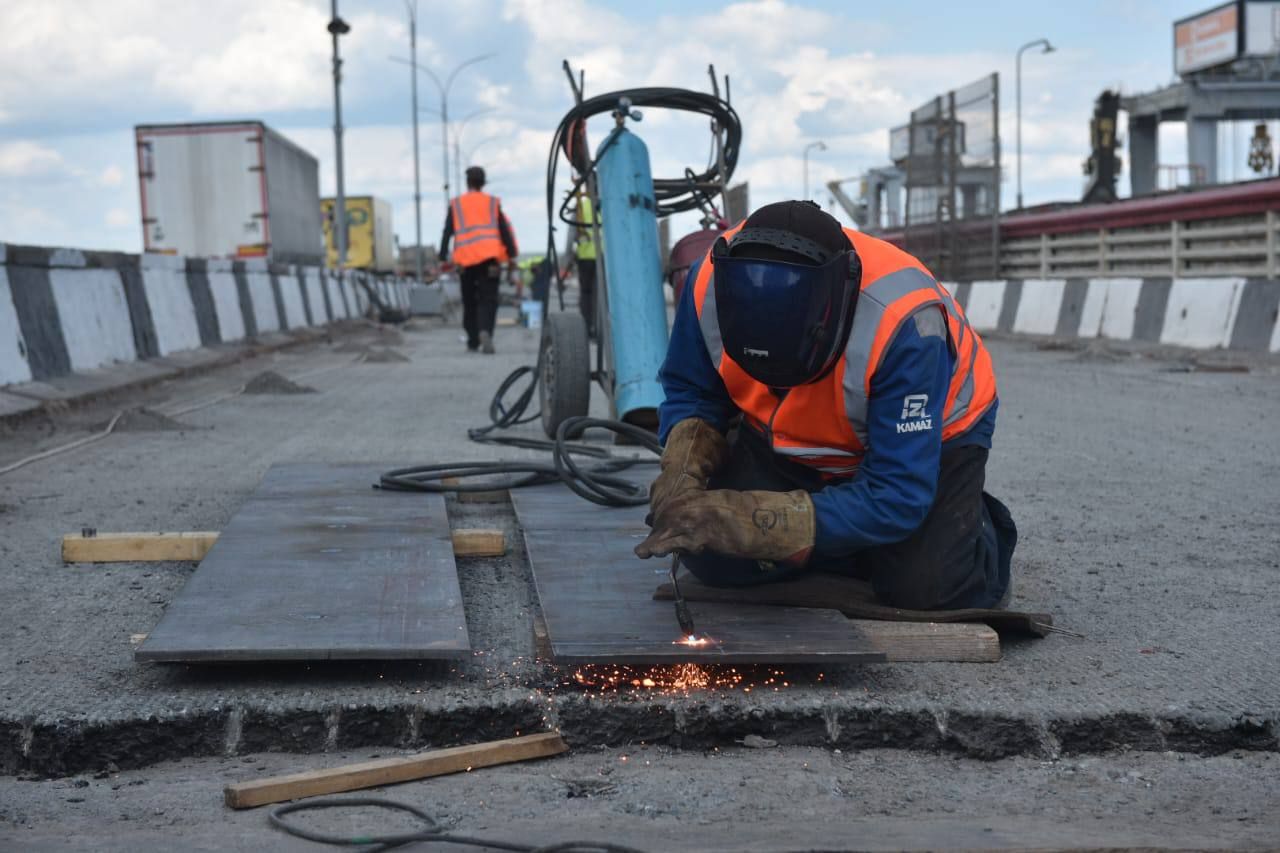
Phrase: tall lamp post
(338, 27)
(1046, 48)
(812, 146)
(443, 88)
(457, 142)
(411, 7)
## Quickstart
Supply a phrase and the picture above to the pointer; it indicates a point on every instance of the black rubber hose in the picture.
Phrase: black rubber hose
(598, 482)
(430, 833)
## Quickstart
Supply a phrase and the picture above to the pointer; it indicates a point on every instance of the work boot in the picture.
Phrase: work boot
(486, 343)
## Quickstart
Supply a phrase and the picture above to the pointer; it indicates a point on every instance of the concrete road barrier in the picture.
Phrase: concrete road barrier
(64, 310)
(1201, 313)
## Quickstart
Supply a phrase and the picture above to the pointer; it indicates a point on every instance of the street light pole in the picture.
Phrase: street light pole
(411, 6)
(338, 27)
(820, 146)
(1048, 48)
(457, 142)
(443, 89)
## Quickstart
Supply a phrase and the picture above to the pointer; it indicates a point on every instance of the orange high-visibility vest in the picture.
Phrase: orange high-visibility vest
(824, 424)
(476, 237)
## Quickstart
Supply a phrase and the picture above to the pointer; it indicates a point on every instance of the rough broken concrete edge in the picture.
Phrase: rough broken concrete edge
(59, 748)
(225, 355)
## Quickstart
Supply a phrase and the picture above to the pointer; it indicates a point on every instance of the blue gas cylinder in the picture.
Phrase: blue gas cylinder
(633, 270)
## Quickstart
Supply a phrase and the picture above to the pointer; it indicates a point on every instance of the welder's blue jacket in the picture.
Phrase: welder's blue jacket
(892, 489)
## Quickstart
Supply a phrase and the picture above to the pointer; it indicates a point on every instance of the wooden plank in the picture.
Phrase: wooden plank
(192, 546)
(541, 639)
(389, 771)
(491, 496)
(924, 642)
(137, 547)
(596, 598)
(479, 542)
(316, 565)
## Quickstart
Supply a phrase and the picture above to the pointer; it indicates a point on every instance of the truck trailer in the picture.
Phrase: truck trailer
(371, 242)
(235, 189)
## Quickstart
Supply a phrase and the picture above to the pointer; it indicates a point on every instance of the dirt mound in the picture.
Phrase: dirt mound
(351, 346)
(270, 382)
(143, 419)
(385, 356)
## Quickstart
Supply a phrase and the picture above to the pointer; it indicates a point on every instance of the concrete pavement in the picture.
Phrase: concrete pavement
(1146, 500)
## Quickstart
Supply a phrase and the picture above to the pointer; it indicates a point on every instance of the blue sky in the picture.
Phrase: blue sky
(76, 76)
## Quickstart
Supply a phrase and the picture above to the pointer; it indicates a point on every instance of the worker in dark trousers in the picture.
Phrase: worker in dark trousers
(483, 242)
(828, 407)
(585, 259)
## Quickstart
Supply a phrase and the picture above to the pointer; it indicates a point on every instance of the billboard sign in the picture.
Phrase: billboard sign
(1207, 39)
(1261, 28)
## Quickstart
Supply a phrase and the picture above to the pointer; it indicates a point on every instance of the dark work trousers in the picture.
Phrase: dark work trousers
(587, 292)
(960, 556)
(480, 300)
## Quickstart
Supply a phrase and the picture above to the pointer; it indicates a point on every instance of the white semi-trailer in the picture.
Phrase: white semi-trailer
(228, 190)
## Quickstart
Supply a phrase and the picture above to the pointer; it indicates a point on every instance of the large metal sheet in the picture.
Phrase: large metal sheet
(317, 565)
(596, 598)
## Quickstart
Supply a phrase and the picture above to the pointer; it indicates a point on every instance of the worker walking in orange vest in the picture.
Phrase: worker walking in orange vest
(482, 242)
(828, 407)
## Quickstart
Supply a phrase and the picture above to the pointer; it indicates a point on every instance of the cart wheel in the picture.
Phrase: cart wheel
(565, 390)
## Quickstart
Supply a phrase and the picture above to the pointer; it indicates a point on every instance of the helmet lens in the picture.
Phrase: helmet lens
(784, 324)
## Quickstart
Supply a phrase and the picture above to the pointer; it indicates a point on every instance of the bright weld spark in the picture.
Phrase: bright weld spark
(677, 680)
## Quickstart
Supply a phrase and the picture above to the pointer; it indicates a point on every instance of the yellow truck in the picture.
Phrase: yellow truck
(371, 241)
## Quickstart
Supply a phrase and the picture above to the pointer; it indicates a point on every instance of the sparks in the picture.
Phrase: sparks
(691, 640)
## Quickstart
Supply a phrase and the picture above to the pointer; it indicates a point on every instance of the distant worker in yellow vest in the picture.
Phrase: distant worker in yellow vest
(585, 258)
(482, 242)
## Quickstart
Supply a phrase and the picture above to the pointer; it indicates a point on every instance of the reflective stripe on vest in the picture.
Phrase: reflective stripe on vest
(806, 424)
(476, 235)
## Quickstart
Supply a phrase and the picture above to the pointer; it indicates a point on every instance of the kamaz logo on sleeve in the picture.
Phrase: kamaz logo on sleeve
(757, 353)
(914, 416)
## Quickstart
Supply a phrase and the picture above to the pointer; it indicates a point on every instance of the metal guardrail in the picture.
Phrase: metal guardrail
(1246, 245)
(1224, 230)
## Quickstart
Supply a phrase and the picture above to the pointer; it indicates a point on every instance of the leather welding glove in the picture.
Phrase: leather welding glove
(695, 450)
(757, 525)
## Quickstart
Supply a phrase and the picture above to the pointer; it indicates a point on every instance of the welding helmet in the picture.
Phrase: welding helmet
(786, 287)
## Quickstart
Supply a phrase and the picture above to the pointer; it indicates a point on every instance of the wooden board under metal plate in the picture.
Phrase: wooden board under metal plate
(317, 565)
(596, 597)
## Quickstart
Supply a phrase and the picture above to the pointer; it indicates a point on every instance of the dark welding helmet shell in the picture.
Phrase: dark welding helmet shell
(784, 323)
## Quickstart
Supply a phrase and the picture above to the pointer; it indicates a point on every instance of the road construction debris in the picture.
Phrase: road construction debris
(270, 382)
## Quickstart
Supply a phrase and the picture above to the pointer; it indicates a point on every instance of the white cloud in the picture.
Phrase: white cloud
(112, 176)
(118, 217)
(26, 159)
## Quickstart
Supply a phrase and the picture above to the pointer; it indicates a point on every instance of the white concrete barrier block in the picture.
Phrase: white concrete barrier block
(330, 280)
(1120, 308)
(1039, 305)
(1095, 298)
(263, 298)
(14, 366)
(985, 300)
(156, 261)
(69, 258)
(226, 302)
(95, 316)
(315, 294)
(295, 313)
(1201, 312)
(172, 313)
